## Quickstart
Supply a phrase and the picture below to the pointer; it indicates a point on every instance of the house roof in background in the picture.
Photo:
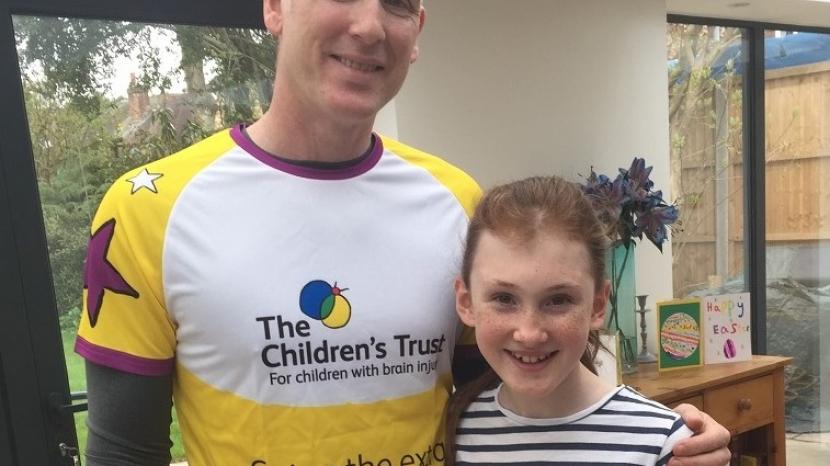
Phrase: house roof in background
(796, 12)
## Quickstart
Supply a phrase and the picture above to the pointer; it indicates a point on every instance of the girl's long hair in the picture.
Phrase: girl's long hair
(521, 211)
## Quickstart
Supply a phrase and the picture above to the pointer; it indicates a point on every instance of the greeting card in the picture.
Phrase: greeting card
(679, 327)
(726, 328)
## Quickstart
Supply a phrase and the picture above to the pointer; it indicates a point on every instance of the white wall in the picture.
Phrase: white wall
(511, 88)
(386, 122)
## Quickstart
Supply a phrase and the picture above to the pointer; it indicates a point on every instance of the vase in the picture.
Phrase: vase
(620, 315)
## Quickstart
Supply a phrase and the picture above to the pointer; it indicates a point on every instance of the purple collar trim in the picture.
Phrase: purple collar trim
(307, 172)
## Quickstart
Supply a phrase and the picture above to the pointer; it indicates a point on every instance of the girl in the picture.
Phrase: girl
(533, 288)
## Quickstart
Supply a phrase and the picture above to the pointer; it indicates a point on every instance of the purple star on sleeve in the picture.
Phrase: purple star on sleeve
(100, 274)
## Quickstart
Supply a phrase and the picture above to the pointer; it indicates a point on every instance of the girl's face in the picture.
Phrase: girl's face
(532, 305)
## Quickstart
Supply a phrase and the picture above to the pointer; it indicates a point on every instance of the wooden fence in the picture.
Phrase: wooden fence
(797, 176)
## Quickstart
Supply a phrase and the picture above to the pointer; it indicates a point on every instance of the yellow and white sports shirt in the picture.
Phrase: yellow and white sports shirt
(307, 315)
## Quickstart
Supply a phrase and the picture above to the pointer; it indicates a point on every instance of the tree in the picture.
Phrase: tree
(74, 55)
(705, 94)
(76, 126)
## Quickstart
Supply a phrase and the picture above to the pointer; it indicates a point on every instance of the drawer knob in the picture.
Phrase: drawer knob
(744, 404)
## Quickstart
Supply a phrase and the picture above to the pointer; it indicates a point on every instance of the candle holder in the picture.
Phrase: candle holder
(644, 355)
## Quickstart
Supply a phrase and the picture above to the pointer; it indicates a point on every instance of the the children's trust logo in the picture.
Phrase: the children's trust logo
(323, 302)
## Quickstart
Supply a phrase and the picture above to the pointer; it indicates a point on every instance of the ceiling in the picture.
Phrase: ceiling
(796, 12)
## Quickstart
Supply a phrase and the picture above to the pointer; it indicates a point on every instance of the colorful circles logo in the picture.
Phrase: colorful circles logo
(325, 303)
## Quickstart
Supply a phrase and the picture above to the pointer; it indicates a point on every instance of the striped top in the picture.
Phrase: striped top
(623, 428)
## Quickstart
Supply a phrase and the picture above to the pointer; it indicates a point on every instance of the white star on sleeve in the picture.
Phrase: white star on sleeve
(144, 179)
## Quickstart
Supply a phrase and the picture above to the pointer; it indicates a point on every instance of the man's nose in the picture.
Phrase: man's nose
(368, 21)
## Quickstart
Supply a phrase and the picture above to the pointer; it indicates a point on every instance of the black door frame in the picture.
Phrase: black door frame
(32, 370)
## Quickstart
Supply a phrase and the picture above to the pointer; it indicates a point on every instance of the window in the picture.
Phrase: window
(718, 127)
(797, 165)
(102, 97)
(706, 84)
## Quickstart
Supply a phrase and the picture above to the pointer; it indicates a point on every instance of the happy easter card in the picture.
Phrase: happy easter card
(726, 328)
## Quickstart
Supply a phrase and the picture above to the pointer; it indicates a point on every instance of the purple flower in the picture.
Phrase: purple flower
(653, 223)
(608, 198)
(639, 174)
(628, 206)
(594, 182)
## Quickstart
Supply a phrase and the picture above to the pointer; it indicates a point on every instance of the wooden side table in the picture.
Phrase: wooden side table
(745, 397)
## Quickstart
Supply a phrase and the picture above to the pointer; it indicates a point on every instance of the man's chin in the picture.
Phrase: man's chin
(359, 101)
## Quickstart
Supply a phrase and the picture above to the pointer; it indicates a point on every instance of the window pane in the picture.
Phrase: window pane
(103, 97)
(797, 78)
(706, 83)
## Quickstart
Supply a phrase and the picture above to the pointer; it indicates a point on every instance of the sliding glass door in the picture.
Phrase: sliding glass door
(750, 164)
(797, 166)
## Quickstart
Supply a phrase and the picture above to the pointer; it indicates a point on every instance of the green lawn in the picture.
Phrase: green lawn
(77, 383)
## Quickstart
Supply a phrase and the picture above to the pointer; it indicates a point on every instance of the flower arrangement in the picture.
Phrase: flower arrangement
(629, 207)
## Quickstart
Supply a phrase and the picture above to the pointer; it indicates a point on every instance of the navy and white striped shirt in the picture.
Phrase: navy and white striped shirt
(623, 428)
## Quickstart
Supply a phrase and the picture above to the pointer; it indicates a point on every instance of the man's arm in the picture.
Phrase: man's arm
(708, 447)
(129, 418)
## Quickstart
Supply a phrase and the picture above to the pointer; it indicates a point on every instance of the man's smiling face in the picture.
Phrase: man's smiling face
(344, 58)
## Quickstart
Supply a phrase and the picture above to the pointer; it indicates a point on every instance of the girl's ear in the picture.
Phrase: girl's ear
(463, 303)
(600, 303)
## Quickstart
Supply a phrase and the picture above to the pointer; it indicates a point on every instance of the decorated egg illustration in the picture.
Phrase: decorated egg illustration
(729, 349)
(680, 336)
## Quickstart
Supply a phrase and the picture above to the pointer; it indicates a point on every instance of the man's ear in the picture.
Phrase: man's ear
(463, 303)
(600, 303)
(422, 17)
(272, 15)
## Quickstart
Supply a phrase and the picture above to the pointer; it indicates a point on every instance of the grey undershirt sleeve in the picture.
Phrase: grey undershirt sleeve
(129, 418)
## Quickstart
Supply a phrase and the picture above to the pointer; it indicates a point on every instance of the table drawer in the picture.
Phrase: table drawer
(742, 406)
(696, 401)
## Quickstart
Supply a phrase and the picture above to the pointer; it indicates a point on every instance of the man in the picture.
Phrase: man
(290, 282)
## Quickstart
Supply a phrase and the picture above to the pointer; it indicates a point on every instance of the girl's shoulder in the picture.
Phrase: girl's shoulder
(627, 399)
